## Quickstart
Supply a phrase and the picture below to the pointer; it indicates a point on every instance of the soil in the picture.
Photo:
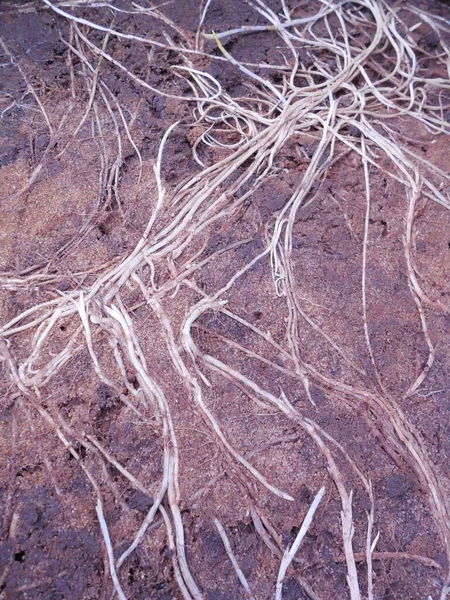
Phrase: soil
(65, 224)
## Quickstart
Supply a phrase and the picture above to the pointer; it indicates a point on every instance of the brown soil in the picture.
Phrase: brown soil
(69, 225)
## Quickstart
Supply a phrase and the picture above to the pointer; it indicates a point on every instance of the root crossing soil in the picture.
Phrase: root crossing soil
(224, 300)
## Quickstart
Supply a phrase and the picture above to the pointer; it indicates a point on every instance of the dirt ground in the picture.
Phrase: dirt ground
(65, 219)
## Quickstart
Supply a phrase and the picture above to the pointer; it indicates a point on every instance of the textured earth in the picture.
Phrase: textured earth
(57, 216)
